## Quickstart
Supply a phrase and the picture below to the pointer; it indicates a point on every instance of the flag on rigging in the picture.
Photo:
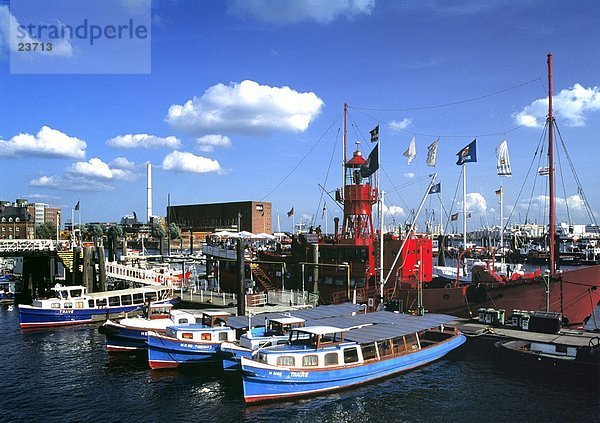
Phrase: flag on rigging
(454, 217)
(291, 212)
(435, 188)
(432, 153)
(372, 164)
(468, 154)
(503, 161)
(411, 152)
(499, 191)
(76, 206)
(543, 171)
(374, 134)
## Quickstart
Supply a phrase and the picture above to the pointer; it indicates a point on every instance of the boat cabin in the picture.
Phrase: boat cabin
(213, 319)
(283, 325)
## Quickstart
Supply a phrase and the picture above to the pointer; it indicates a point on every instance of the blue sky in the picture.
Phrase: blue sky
(240, 93)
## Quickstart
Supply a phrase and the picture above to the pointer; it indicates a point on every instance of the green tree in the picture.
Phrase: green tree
(158, 232)
(94, 231)
(114, 232)
(46, 230)
(174, 231)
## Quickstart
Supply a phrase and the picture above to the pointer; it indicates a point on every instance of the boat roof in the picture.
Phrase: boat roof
(288, 320)
(319, 330)
(215, 313)
(127, 291)
(380, 332)
(320, 312)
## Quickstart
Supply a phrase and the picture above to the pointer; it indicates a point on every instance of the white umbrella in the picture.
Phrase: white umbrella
(225, 234)
(263, 235)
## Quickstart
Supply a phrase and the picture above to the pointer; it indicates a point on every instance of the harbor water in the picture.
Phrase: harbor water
(66, 374)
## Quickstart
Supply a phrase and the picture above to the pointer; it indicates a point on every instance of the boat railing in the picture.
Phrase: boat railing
(293, 298)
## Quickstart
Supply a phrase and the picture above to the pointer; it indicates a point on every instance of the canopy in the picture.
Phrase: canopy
(245, 234)
(225, 234)
(263, 235)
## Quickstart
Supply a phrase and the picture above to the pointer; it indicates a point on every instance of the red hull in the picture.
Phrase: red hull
(158, 365)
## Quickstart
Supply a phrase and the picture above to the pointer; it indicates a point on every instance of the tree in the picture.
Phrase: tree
(174, 231)
(114, 232)
(94, 231)
(158, 232)
(46, 230)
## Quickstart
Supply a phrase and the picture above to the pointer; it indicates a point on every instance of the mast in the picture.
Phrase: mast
(501, 223)
(381, 224)
(552, 218)
(344, 151)
(464, 206)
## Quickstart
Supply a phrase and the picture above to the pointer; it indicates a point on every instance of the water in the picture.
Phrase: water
(66, 374)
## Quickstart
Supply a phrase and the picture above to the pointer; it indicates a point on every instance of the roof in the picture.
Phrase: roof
(287, 320)
(409, 322)
(213, 313)
(356, 160)
(319, 330)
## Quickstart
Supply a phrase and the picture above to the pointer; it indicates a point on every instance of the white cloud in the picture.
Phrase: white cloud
(208, 143)
(245, 107)
(143, 141)
(409, 175)
(403, 124)
(306, 216)
(187, 162)
(97, 169)
(393, 210)
(289, 11)
(47, 143)
(570, 106)
(476, 203)
(122, 163)
(46, 181)
(9, 41)
(71, 182)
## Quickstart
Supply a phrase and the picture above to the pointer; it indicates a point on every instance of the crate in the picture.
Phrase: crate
(545, 322)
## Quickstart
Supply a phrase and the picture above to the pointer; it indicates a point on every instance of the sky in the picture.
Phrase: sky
(242, 100)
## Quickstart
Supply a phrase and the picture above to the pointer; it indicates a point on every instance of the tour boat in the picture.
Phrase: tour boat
(190, 343)
(73, 305)
(321, 359)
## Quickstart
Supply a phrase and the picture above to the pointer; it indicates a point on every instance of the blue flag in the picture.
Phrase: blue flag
(372, 164)
(468, 154)
(435, 188)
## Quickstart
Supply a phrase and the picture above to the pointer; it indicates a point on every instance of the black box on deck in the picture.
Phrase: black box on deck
(545, 322)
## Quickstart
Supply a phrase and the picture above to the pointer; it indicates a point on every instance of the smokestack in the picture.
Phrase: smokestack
(149, 193)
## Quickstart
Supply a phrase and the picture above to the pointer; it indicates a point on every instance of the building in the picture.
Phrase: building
(255, 216)
(18, 220)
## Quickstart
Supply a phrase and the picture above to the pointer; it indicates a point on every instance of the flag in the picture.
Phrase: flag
(454, 217)
(499, 191)
(372, 163)
(543, 171)
(432, 153)
(374, 134)
(324, 210)
(435, 188)
(468, 154)
(503, 161)
(76, 206)
(291, 212)
(411, 152)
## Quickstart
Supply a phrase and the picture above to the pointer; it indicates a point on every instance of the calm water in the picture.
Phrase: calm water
(67, 375)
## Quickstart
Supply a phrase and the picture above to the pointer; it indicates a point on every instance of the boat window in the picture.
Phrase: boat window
(331, 359)
(68, 305)
(363, 255)
(222, 336)
(368, 351)
(101, 302)
(79, 304)
(76, 293)
(55, 305)
(114, 301)
(187, 335)
(150, 296)
(360, 282)
(126, 299)
(561, 349)
(310, 360)
(328, 280)
(182, 321)
(384, 348)
(350, 355)
(286, 360)
(340, 281)
(138, 298)
(282, 342)
(206, 336)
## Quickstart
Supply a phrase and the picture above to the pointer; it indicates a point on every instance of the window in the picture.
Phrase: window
(79, 304)
(206, 336)
(222, 336)
(182, 321)
(150, 296)
(68, 304)
(331, 359)
(101, 302)
(310, 360)
(350, 355)
(126, 299)
(55, 305)
(187, 335)
(368, 351)
(114, 301)
(138, 298)
(328, 280)
(91, 303)
(286, 360)
(75, 293)
(259, 207)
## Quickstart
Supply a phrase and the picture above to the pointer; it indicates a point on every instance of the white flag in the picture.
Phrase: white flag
(432, 153)
(503, 162)
(411, 152)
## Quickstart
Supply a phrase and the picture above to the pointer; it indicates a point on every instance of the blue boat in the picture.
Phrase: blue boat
(131, 333)
(190, 344)
(276, 332)
(320, 359)
(72, 305)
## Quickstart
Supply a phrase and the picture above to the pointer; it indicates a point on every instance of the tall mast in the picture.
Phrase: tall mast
(344, 151)
(464, 206)
(551, 168)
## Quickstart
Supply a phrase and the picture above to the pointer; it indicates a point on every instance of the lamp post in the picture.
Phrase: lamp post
(546, 279)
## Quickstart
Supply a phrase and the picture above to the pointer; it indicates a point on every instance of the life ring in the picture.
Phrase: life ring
(448, 286)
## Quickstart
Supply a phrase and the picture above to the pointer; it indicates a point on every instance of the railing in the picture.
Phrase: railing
(214, 251)
(292, 298)
(256, 300)
(26, 245)
(135, 274)
(205, 296)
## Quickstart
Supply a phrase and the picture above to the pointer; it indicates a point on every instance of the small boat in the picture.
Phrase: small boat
(190, 343)
(276, 332)
(131, 333)
(7, 289)
(578, 357)
(321, 359)
(73, 305)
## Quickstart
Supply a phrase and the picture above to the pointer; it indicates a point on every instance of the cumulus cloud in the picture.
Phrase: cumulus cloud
(399, 125)
(122, 163)
(476, 203)
(290, 11)
(181, 161)
(393, 210)
(245, 107)
(208, 143)
(47, 143)
(571, 106)
(95, 168)
(9, 41)
(143, 141)
(70, 182)
(46, 181)
(409, 175)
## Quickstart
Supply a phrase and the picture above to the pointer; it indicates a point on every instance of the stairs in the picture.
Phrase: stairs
(66, 257)
(262, 279)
